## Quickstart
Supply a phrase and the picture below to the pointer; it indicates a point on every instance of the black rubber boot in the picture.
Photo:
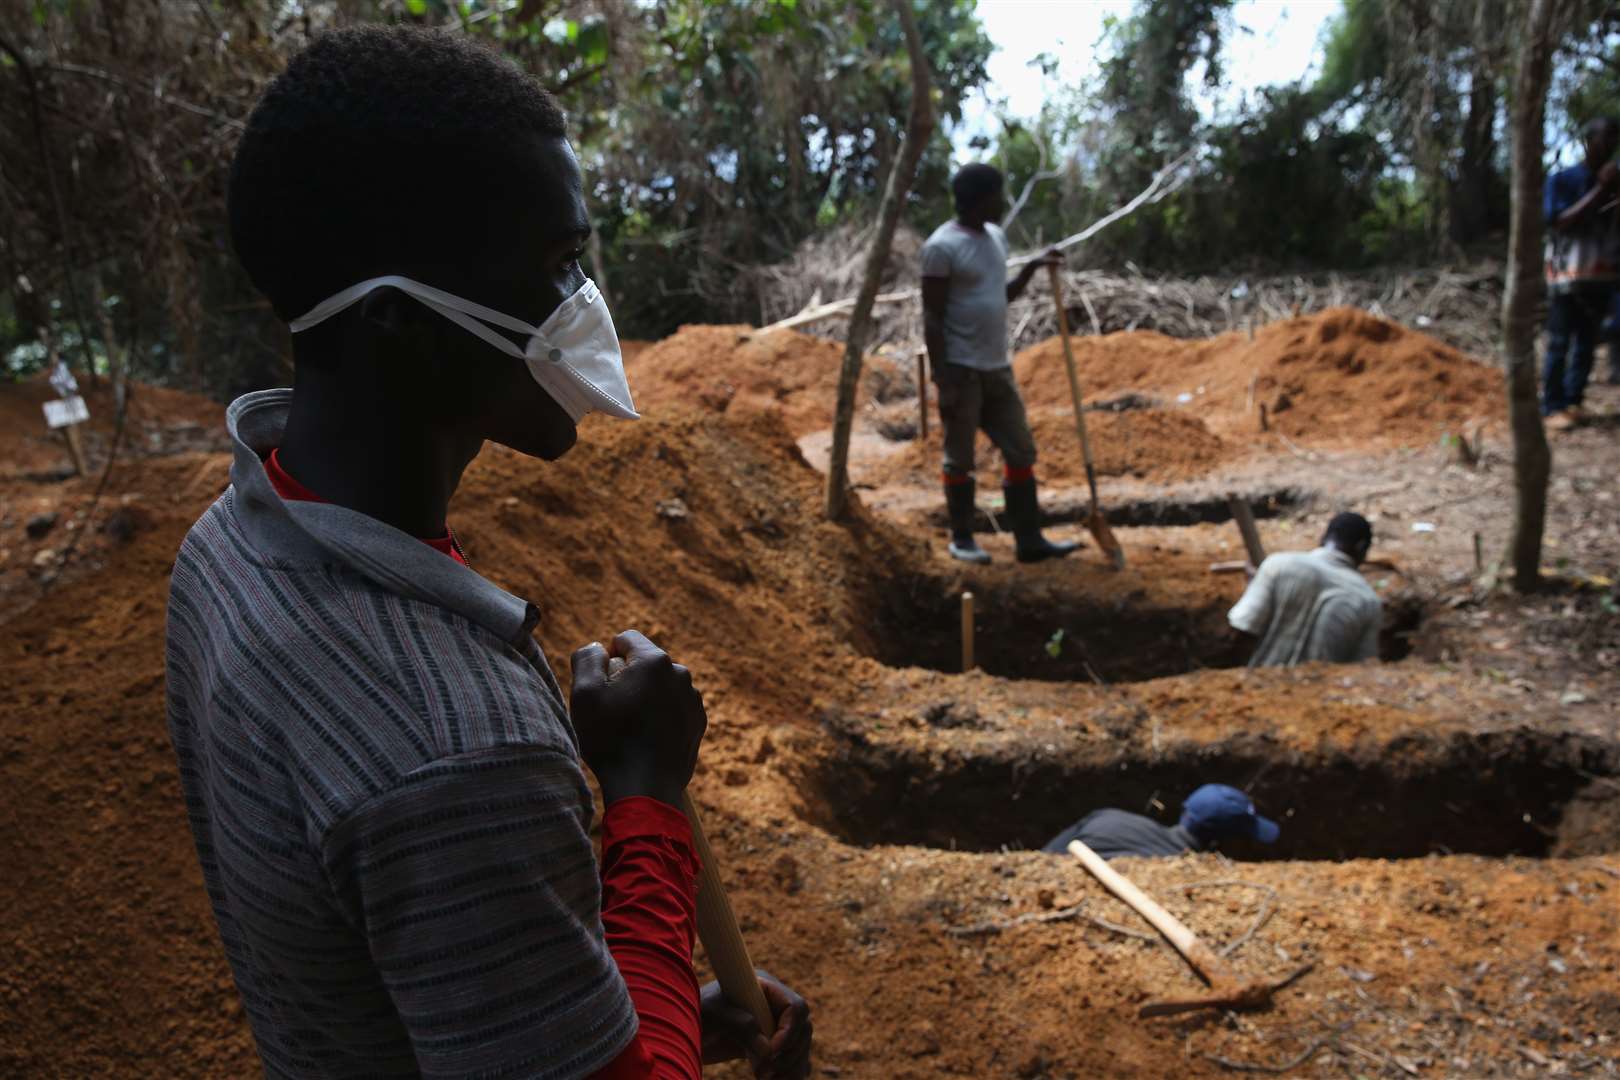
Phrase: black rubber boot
(959, 502)
(1024, 514)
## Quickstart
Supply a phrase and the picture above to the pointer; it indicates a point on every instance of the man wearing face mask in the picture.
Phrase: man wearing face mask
(383, 779)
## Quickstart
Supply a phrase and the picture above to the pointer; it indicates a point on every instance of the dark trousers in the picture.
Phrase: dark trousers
(1574, 321)
(971, 399)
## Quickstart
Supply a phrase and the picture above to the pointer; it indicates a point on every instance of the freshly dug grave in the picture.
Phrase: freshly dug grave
(703, 530)
(1384, 762)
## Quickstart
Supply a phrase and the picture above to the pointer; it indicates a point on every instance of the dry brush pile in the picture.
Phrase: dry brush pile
(1461, 307)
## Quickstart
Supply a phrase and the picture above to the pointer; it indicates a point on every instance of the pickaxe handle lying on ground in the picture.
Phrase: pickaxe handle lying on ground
(1229, 991)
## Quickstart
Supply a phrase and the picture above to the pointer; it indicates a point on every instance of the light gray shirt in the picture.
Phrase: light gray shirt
(1309, 605)
(975, 261)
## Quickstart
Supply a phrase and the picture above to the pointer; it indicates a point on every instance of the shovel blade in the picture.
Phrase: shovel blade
(1105, 539)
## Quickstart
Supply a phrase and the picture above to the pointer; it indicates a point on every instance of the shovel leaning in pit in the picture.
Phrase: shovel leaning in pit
(1227, 991)
(1095, 522)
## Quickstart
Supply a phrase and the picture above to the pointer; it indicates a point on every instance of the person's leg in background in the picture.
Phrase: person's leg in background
(1609, 333)
(1589, 309)
(1560, 319)
(1007, 424)
(960, 404)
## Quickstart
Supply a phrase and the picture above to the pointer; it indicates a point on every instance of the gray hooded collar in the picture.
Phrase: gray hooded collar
(322, 533)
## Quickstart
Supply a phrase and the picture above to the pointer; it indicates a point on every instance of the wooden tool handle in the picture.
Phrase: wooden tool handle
(1074, 381)
(1200, 956)
(1244, 516)
(722, 938)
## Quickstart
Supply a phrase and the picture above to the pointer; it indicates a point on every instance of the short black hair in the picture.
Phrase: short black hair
(381, 149)
(1349, 532)
(973, 183)
(1600, 125)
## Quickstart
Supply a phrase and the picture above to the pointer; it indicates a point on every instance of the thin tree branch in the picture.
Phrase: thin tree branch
(157, 93)
(1041, 173)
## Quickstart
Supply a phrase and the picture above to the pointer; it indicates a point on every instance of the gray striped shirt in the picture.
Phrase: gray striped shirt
(383, 785)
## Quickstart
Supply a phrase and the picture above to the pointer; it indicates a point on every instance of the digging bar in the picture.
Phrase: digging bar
(721, 936)
(1228, 992)
(1096, 522)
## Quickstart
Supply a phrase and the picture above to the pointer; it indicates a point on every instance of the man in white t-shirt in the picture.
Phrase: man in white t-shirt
(1314, 605)
(965, 293)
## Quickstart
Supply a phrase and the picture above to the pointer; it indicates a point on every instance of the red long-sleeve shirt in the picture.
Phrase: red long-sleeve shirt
(649, 910)
(649, 904)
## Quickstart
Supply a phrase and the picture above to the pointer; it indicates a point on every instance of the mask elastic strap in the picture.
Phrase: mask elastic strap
(473, 326)
(441, 301)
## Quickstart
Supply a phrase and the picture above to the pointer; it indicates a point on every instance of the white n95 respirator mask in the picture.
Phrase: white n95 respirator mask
(573, 355)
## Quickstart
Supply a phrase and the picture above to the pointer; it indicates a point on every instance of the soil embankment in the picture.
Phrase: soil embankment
(846, 758)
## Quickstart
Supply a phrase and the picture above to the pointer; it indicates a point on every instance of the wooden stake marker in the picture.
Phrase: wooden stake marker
(967, 631)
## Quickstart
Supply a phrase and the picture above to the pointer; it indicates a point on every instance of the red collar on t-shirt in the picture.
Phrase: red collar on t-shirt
(292, 490)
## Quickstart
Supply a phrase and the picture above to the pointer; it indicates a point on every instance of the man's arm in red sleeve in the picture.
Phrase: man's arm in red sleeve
(649, 912)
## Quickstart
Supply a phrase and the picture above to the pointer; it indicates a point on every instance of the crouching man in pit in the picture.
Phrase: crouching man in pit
(1211, 814)
(1314, 605)
(385, 781)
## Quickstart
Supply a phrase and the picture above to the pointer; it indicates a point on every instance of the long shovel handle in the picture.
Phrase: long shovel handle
(1074, 381)
(721, 936)
(1200, 956)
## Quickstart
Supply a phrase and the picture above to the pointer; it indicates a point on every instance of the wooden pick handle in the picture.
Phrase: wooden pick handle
(1200, 956)
(721, 936)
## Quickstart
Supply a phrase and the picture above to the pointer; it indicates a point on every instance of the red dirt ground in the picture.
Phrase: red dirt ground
(700, 525)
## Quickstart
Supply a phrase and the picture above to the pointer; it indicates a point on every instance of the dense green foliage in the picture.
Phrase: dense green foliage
(1391, 153)
(718, 135)
(715, 135)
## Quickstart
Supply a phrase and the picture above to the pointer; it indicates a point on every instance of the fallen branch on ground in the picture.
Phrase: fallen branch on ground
(1268, 907)
(1261, 1067)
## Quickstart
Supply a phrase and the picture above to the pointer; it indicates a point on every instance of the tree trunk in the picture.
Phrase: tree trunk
(1532, 461)
(1476, 183)
(919, 129)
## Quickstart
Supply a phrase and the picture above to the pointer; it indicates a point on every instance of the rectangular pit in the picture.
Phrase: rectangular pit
(1514, 793)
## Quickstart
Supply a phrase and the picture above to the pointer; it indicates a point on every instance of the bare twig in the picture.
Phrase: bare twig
(1268, 907)
(1382, 1059)
(155, 90)
(1041, 173)
(1261, 1067)
(1077, 911)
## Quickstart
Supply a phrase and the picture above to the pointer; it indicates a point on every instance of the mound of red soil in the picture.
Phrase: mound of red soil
(1154, 444)
(158, 420)
(703, 531)
(1342, 375)
(728, 368)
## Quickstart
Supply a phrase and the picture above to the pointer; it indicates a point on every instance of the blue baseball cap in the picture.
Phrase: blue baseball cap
(1216, 810)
